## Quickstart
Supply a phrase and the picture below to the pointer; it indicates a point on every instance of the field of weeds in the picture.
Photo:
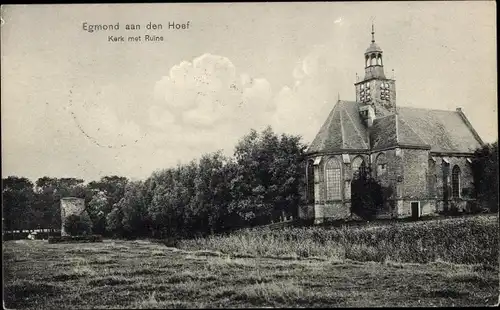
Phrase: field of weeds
(142, 274)
(462, 240)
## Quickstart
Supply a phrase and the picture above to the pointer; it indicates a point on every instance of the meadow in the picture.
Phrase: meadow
(450, 262)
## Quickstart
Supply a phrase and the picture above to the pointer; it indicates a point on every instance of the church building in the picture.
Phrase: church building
(422, 155)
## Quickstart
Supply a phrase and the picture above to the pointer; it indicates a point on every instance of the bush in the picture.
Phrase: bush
(75, 239)
(368, 196)
(78, 225)
(485, 173)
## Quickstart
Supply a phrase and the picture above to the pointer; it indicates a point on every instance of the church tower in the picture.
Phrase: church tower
(375, 92)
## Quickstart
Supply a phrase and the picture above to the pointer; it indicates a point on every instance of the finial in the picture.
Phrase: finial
(338, 96)
(373, 33)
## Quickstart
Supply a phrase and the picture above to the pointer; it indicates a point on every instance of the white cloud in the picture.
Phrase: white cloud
(301, 109)
(206, 105)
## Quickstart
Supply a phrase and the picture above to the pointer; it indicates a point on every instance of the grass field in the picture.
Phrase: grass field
(463, 240)
(143, 274)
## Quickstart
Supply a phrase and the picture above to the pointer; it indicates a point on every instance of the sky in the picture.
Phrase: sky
(74, 104)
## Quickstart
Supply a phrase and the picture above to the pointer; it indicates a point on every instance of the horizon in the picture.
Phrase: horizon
(93, 108)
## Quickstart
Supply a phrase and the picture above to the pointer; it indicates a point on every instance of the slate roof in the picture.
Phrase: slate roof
(343, 129)
(437, 130)
(444, 131)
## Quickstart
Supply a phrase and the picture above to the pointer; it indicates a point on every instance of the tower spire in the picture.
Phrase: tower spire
(373, 33)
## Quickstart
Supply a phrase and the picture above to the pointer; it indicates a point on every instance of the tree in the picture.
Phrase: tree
(169, 195)
(268, 176)
(49, 192)
(112, 186)
(109, 190)
(78, 225)
(18, 199)
(485, 175)
(96, 208)
(212, 194)
(367, 195)
(135, 219)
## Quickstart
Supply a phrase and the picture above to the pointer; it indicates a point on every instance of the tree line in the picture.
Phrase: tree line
(264, 181)
(261, 183)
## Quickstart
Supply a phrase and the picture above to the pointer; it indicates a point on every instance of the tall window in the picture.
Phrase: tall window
(381, 165)
(333, 179)
(455, 182)
(310, 181)
(358, 166)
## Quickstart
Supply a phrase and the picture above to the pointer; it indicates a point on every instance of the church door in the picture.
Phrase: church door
(415, 210)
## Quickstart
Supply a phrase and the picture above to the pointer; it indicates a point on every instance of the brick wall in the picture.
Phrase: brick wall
(415, 178)
(394, 169)
(337, 210)
(444, 186)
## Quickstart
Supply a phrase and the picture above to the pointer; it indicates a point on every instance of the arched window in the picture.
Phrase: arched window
(310, 181)
(333, 179)
(366, 61)
(381, 162)
(358, 166)
(455, 182)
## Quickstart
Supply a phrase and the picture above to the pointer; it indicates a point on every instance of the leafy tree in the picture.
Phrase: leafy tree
(96, 209)
(367, 195)
(485, 175)
(114, 222)
(168, 195)
(78, 225)
(112, 186)
(212, 193)
(110, 190)
(18, 198)
(49, 192)
(268, 176)
(135, 219)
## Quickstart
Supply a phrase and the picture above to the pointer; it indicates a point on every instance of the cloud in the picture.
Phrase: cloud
(206, 104)
(206, 85)
(214, 104)
(302, 108)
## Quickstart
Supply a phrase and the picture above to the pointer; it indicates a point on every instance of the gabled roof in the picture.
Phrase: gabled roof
(437, 130)
(342, 130)
(444, 131)
(383, 132)
(393, 130)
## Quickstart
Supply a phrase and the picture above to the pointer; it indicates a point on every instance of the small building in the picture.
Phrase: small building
(422, 155)
(70, 206)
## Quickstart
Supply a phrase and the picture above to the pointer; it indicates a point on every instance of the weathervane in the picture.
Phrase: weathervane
(373, 30)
